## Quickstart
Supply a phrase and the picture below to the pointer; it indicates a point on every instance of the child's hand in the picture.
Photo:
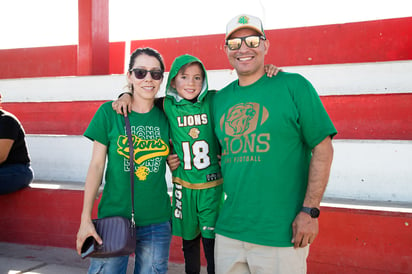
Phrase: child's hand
(123, 105)
(271, 70)
(173, 161)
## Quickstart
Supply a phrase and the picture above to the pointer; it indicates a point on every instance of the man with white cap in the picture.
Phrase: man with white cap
(276, 140)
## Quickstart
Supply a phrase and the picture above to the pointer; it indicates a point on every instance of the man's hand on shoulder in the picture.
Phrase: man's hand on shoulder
(123, 105)
(271, 70)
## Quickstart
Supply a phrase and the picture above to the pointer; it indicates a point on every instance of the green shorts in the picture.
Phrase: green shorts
(195, 211)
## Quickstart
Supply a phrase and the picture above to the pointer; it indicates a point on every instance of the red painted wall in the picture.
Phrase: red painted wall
(38, 62)
(350, 241)
(93, 49)
(371, 41)
(387, 116)
(51, 61)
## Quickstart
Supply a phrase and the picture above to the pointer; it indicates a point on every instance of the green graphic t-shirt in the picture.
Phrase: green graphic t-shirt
(192, 132)
(267, 131)
(150, 132)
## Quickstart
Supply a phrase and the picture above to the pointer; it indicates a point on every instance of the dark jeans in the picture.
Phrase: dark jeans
(14, 177)
(191, 252)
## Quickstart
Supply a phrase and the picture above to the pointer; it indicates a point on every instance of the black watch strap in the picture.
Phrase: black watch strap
(313, 212)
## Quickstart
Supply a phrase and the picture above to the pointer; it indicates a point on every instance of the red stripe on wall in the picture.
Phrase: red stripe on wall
(349, 240)
(68, 118)
(38, 62)
(209, 49)
(386, 116)
(52, 61)
(116, 63)
(362, 241)
(370, 41)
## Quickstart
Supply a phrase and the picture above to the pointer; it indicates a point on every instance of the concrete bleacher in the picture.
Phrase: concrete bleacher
(354, 237)
(48, 213)
(357, 234)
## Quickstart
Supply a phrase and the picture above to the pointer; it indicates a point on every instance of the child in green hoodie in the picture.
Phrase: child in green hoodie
(197, 180)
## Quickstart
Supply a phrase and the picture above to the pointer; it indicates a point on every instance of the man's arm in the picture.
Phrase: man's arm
(123, 104)
(319, 171)
(306, 228)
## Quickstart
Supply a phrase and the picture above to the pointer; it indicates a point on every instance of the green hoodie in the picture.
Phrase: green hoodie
(192, 133)
(176, 66)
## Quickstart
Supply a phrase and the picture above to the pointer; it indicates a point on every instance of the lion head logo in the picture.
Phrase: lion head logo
(239, 118)
(194, 133)
(243, 119)
(142, 172)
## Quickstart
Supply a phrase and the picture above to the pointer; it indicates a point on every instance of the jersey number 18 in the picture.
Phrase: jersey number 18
(200, 151)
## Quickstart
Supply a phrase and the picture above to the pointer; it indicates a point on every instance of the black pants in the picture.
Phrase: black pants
(191, 252)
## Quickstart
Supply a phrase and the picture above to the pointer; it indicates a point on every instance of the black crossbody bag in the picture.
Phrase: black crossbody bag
(118, 233)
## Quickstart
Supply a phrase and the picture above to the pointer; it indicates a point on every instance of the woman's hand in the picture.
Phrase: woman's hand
(123, 105)
(86, 230)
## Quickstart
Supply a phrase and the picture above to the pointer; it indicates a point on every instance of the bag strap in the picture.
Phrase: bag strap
(131, 161)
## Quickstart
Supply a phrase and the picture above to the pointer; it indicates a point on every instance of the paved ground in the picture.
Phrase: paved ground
(18, 258)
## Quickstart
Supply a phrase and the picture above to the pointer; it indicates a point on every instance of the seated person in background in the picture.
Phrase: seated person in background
(15, 170)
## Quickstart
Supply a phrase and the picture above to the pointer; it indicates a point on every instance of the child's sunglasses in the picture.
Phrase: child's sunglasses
(252, 41)
(141, 73)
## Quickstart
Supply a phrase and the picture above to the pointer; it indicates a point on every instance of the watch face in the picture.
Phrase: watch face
(314, 212)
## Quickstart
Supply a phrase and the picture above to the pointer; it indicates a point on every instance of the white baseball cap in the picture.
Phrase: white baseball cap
(244, 21)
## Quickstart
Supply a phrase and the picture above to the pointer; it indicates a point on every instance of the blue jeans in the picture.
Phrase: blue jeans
(151, 254)
(14, 177)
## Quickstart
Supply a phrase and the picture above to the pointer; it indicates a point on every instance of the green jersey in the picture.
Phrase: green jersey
(267, 131)
(192, 133)
(197, 188)
(150, 132)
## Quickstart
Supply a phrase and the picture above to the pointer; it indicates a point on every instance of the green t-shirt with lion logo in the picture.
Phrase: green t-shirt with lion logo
(267, 131)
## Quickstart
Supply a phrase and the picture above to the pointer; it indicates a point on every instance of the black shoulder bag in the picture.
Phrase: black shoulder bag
(118, 233)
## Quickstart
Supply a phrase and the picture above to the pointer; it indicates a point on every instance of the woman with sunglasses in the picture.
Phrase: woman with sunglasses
(197, 180)
(152, 202)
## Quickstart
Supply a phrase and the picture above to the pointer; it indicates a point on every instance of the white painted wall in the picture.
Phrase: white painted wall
(371, 170)
(362, 169)
(340, 79)
(59, 157)
(62, 158)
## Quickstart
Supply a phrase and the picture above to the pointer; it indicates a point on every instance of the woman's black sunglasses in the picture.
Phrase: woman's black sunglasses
(141, 73)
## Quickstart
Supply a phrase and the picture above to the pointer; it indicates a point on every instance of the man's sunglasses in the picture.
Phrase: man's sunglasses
(141, 73)
(252, 41)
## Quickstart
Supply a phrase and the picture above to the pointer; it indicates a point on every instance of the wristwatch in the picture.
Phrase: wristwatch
(314, 212)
